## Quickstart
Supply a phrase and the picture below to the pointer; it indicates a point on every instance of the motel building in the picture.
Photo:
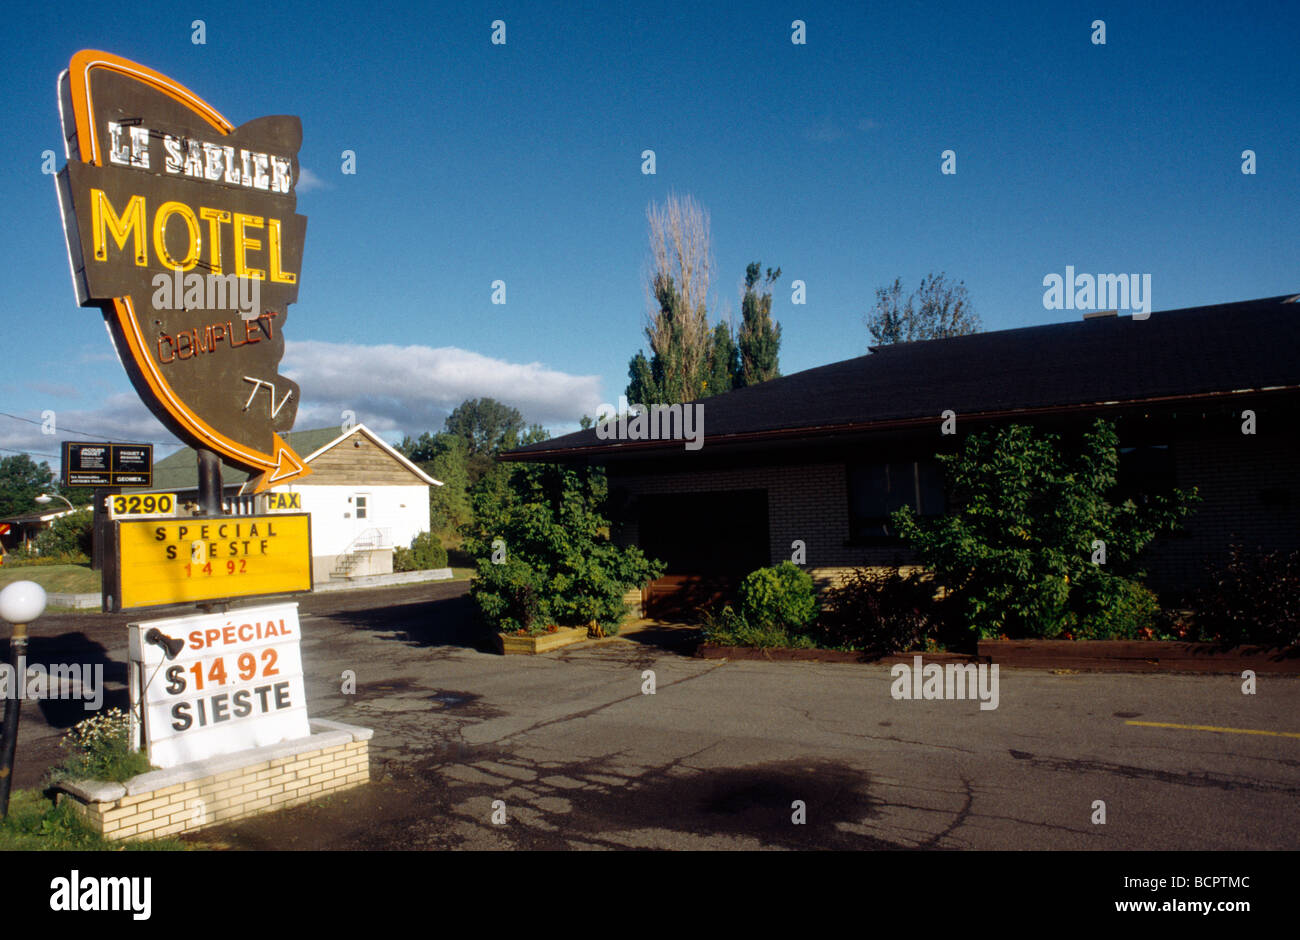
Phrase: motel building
(1206, 397)
(364, 498)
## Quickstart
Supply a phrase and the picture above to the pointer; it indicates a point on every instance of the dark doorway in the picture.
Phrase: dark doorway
(708, 543)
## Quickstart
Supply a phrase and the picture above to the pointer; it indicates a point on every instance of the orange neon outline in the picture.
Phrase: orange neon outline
(272, 466)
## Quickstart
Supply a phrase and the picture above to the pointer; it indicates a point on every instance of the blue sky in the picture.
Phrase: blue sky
(522, 162)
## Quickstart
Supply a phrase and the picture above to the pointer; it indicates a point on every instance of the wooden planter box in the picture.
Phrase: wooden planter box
(1138, 656)
(529, 645)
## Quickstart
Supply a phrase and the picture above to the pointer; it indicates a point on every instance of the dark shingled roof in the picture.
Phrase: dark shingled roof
(1250, 345)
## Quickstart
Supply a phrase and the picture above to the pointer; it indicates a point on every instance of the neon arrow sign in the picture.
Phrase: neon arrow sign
(181, 228)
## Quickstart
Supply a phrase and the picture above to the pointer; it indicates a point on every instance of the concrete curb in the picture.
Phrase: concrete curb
(383, 580)
(76, 601)
(93, 601)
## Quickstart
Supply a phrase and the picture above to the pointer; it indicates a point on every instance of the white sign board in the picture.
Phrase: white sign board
(236, 683)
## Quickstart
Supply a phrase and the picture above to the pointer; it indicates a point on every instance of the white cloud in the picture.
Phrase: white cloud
(307, 181)
(398, 389)
(413, 388)
(121, 417)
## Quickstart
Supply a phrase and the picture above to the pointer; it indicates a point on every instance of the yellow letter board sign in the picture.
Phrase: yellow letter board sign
(178, 561)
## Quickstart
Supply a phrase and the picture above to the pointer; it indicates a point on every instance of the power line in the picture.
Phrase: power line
(31, 452)
(86, 433)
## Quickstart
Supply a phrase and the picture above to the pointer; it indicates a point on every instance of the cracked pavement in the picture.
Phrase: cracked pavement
(575, 756)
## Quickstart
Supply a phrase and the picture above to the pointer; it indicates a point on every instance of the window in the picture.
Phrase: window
(877, 489)
(361, 507)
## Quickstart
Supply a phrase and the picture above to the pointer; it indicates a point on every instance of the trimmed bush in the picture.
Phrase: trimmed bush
(1114, 609)
(781, 596)
(426, 552)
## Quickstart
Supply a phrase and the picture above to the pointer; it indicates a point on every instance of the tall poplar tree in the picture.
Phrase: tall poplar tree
(760, 339)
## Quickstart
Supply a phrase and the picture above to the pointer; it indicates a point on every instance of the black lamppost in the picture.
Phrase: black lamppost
(20, 603)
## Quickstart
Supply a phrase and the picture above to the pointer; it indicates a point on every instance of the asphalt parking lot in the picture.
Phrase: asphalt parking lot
(572, 753)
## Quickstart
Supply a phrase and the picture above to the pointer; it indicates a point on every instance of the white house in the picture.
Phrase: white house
(364, 497)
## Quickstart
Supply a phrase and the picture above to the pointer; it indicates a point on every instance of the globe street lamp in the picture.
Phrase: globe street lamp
(45, 498)
(20, 603)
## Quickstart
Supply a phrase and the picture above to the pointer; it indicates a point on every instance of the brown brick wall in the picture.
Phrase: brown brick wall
(1250, 493)
(807, 501)
(1234, 475)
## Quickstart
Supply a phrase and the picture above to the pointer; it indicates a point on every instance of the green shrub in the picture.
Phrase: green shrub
(101, 750)
(1112, 608)
(425, 553)
(1253, 598)
(543, 552)
(726, 627)
(510, 596)
(781, 596)
(1016, 546)
(72, 534)
(880, 612)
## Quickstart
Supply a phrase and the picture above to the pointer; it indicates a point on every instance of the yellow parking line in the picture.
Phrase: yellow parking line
(1166, 724)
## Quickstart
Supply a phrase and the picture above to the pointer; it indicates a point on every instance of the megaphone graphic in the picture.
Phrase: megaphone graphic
(170, 646)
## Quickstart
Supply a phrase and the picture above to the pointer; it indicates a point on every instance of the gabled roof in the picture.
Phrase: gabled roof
(1196, 352)
(376, 439)
(180, 471)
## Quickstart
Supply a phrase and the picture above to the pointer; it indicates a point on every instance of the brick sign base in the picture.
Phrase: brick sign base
(335, 757)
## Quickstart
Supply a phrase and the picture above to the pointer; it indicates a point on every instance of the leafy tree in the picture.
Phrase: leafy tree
(760, 338)
(445, 457)
(1017, 546)
(724, 361)
(485, 423)
(21, 481)
(559, 566)
(677, 332)
(934, 310)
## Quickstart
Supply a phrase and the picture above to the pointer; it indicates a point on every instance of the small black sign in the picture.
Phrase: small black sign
(95, 464)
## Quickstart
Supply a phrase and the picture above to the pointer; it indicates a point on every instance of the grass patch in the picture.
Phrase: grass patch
(56, 579)
(35, 824)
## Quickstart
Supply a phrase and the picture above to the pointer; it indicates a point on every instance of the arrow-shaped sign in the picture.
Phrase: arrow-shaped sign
(181, 228)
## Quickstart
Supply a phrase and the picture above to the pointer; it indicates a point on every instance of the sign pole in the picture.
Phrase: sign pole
(209, 483)
(99, 523)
